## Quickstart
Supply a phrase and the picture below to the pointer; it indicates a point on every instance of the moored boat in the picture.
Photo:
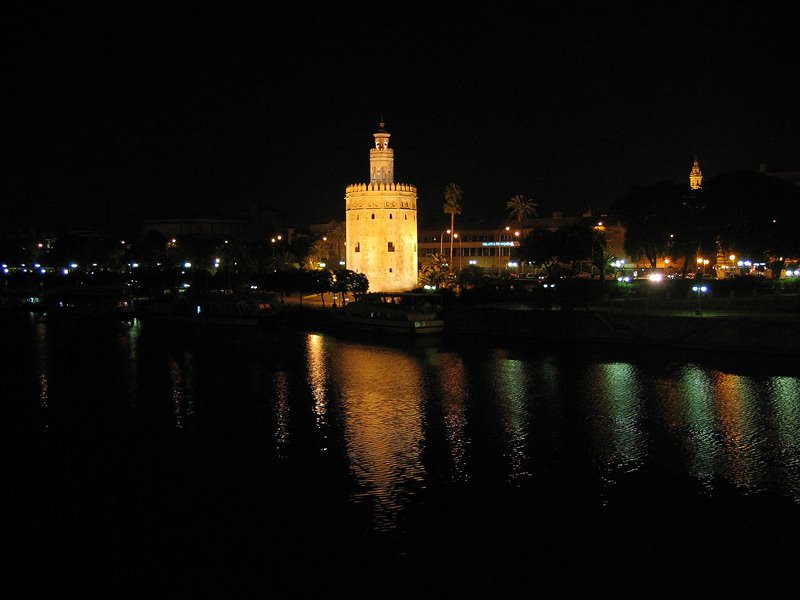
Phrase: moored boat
(402, 313)
(213, 309)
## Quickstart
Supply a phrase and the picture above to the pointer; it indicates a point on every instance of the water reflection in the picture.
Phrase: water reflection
(454, 391)
(406, 418)
(381, 391)
(41, 341)
(129, 342)
(737, 399)
(511, 384)
(616, 407)
(700, 436)
(282, 399)
(182, 389)
(316, 358)
(783, 398)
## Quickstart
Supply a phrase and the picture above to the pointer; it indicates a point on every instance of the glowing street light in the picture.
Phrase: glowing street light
(460, 249)
(699, 290)
(441, 240)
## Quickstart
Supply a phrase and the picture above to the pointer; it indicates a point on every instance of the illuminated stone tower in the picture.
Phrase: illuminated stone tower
(695, 176)
(381, 219)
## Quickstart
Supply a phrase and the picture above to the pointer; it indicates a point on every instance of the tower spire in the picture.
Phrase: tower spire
(381, 157)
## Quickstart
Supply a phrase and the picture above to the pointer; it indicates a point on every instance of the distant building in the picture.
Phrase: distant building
(490, 246)
(381, 218)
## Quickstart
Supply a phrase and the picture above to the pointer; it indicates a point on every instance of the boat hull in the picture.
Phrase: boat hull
(407, 327)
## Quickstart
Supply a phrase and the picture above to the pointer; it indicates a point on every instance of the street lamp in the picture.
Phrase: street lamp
(699, 289)
(460, 250)
(441, 240)
(277, 238)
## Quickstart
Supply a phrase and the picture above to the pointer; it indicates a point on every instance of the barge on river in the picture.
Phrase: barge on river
(402, 313)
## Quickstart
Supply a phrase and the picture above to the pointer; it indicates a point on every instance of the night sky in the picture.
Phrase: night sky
(117, 118)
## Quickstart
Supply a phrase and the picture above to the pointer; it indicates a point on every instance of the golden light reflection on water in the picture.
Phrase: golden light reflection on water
(454, 390)
(512, 387)
(616, 413)
(382, 391)
(316, 358)
(741, 451)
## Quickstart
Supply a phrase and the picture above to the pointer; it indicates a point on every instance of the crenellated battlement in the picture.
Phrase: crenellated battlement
(380, 187)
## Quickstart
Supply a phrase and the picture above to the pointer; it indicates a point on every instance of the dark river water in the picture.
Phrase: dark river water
(236, 457)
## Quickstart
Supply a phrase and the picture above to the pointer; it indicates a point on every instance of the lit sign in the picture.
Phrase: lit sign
(498, 244)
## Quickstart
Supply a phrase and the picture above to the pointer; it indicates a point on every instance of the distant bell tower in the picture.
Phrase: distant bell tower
(381, 219)
(695, 176)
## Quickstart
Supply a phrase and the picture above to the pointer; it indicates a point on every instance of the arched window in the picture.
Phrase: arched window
(373, 215)
(358, 246)
(390, 215)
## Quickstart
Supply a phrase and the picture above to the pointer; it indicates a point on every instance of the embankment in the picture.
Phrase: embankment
(777, 333)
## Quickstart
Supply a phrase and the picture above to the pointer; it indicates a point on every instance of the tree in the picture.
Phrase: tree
(564, 245)
(346, 280)
(318, 253)
(650, 214)
(601, 258)
(321, 281)
(756, 215)
(336, 238)
(452, 207)
(520, 207)
(436, 271)
(469, 276)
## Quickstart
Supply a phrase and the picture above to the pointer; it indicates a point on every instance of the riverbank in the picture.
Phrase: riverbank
(764, 325)
(674, 328)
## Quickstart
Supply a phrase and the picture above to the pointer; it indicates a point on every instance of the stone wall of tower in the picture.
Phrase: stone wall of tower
(382, 234)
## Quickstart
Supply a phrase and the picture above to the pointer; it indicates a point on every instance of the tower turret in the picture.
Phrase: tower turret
(381, 157)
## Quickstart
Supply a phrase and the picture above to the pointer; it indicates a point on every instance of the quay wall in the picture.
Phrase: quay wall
(738, 332)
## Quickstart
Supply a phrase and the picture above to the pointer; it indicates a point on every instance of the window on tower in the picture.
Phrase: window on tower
(358, 246)
(391, 247)
(373, 215)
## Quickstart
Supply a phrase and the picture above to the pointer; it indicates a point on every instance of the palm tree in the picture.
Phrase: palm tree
(436, 271)
(336, 238)
(452, 207)
(520, 206)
